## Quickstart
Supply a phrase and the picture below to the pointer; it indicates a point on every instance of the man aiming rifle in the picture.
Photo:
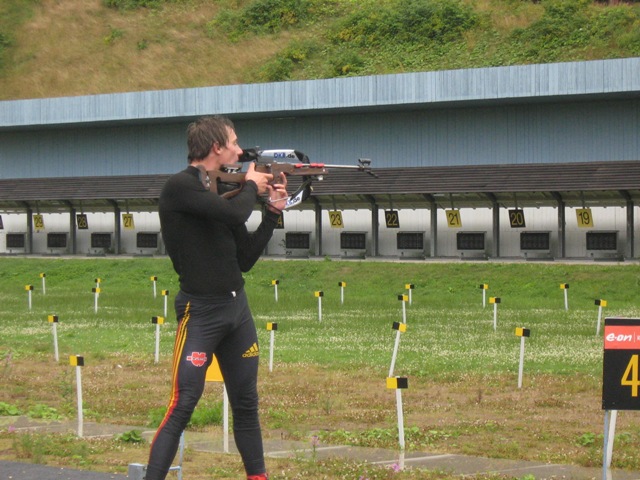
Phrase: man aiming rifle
(228, 180)
(210, 247)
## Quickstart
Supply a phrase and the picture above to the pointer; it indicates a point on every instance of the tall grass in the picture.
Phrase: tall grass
(449, 332)
(79, 48)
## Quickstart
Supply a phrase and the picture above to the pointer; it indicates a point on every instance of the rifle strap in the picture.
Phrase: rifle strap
(300, 195)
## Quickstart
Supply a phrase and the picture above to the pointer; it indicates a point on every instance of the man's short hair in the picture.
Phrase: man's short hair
(204, 133)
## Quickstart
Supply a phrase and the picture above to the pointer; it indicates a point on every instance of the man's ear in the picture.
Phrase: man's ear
(215, 148)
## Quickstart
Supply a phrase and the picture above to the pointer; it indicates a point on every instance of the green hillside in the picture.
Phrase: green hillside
(52, 48)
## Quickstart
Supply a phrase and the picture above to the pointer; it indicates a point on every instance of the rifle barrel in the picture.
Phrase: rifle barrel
(349, 167)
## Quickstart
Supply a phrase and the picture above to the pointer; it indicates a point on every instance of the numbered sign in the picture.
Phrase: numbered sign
(280, 224)
(127, 221)
(516, 218)
(81, 221)
(38, 222)
(585, 220)
(621, 366)
(453, 218)
(392, 219)
(335, 219)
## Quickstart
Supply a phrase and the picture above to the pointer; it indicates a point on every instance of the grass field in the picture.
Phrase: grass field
(329, 374)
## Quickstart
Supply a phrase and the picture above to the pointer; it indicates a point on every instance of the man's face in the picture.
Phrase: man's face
(230, 152)
(224, 154)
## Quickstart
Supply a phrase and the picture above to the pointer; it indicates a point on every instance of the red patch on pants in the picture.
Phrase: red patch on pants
(197, 358)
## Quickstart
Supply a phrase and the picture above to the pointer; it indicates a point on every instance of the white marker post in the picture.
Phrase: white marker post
(399, 383)
(404, 298)
(342, 285)
(225, 419)
(275, 284)
(157, 321)
(601, 304)
(78, 362)
(522, 333)
(565, 287)
(495, 301)
(96, 294)
(165, 294)
(319, 294)
(215, 375)
(401, 328)
(44, 283)
(29, 289)
(611, 436)
(484, 287)
(154, 279)
(410, 287)
(53, 319)
(271, 327)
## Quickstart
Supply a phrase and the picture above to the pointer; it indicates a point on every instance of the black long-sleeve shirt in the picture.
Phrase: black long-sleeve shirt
(206, 237)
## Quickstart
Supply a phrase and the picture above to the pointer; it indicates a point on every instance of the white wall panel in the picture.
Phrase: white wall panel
(418, 220)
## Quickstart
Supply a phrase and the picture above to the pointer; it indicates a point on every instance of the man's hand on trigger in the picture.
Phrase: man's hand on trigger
(261, 179)
(278, 194)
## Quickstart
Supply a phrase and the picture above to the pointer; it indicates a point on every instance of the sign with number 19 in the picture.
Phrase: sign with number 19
(584, 217)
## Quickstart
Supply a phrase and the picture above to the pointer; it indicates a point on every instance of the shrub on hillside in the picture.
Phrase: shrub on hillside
(631, 41)
(5, 43)
(282, 66)
(131, 4)
(570, 24)
(4, 40)
(407, 22)
(347, 63)
(264, 16)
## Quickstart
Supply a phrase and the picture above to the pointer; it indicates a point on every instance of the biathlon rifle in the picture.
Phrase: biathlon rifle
(229, 181)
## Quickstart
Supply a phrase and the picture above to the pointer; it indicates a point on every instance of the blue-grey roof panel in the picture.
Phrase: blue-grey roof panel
(618, 77)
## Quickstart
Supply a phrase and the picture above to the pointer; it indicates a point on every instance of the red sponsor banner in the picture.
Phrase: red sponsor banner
(622, 337)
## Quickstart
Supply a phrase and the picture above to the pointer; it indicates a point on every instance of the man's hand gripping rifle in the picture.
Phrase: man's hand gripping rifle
(228, 182)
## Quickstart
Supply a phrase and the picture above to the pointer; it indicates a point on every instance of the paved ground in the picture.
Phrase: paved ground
(461, 465)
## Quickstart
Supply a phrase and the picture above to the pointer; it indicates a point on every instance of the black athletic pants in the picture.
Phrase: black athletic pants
(206, 326)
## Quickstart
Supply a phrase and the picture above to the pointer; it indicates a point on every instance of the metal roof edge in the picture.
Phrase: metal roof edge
(526, 83)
